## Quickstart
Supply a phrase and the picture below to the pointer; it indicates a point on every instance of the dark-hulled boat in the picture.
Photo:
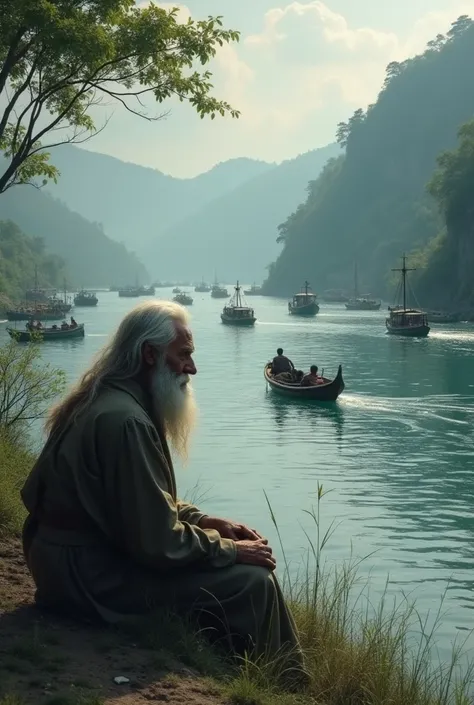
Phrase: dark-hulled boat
(253, 291)
(183, 298)
(304, 303)
(442, 317)
(329, 390)
(202, 288)
(219, 292)
(147, 290)
(85, 298)
(46, 334)
(50, 312)
(236, 313)
(130, 292)
(409, 322)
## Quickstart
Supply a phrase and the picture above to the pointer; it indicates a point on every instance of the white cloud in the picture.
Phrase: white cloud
(294, 76)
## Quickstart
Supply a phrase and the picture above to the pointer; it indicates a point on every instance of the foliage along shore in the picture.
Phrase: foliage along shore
(356, 655)
(372, 203)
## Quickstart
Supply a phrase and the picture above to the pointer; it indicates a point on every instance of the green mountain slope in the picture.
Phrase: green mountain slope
(91, 258)
(373, 204)
(19, 256)
(132, 202)
(234, 235)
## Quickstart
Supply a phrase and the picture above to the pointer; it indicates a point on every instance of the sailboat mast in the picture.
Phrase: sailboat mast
(404, 271)
(356, 282)
(404, 274)
(306, 284)
(237, 289)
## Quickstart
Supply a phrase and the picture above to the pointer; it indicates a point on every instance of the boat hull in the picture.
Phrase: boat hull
(307, 310)
(408, 331)
(329, 391)
(86, 302)
(363, 307)
(37, 315)
(25, 336)
(242, 323)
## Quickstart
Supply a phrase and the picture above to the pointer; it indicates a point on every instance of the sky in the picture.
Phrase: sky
(299, 69)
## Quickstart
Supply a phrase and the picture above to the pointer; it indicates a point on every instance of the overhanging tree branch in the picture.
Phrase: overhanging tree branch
(58, 57)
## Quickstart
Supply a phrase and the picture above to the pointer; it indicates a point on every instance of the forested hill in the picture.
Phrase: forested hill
(19, 256)
(90, 257)
(372, 204)
(447, 279)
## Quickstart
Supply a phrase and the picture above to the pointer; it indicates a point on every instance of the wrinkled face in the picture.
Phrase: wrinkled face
(172, 392)
(179, 354)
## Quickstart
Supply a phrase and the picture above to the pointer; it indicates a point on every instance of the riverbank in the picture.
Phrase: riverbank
(356, 654)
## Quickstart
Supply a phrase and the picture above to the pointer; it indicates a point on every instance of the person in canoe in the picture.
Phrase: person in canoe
(281, 363)
(312, 378)
(106, 535)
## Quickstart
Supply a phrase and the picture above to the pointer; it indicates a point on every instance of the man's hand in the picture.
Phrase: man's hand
(255, 553)
(230, 529)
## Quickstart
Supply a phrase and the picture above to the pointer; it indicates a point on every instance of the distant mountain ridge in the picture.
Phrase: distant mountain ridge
(133, 202)
(224, 220)
(235, 234)
(90, 257)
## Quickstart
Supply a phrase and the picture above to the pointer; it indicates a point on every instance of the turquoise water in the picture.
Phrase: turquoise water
(396, 450)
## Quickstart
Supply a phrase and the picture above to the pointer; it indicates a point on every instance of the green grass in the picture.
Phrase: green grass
(11, 700)
(15, 464)
(356, 654)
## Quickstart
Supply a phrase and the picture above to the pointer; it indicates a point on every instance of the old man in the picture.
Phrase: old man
(106, 534)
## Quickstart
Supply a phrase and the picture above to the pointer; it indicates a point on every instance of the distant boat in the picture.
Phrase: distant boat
(202, 287)
(361, 303)
(236, 313)
(304, 303)
(130, 292)
(46, 334)
(85, 298)
(442, 317)
(176, 290)
(147, 291)
(335, 296)
(219, 292)
(410, 322)
(329, 390)
(53, 310)
(253, 291)
(41, 311)
(183, 298)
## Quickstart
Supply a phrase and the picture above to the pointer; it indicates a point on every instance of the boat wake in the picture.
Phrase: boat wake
(455, 335)
(437, 407)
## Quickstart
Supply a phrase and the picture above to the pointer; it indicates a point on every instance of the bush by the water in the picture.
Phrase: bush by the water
(15, 464)
(355, 654)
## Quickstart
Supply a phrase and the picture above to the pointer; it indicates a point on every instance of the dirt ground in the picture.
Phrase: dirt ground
(46, 661)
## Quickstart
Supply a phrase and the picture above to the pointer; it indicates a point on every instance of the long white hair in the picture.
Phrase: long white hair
(121, 359)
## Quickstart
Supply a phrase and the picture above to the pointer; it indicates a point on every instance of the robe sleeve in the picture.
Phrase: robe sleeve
(188, 512)
(146, 519)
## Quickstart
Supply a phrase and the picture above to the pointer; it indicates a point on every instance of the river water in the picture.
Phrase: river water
(396, 452)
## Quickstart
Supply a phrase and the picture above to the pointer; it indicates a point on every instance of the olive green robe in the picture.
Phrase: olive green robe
(106, 535)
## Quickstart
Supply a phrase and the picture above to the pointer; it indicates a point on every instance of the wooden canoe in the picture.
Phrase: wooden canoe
(44, 334)
(328, 391)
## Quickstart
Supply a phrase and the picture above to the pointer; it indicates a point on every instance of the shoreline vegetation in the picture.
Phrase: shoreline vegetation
(357, 654)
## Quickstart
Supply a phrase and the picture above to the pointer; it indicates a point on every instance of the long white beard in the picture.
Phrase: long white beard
(174, 403)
